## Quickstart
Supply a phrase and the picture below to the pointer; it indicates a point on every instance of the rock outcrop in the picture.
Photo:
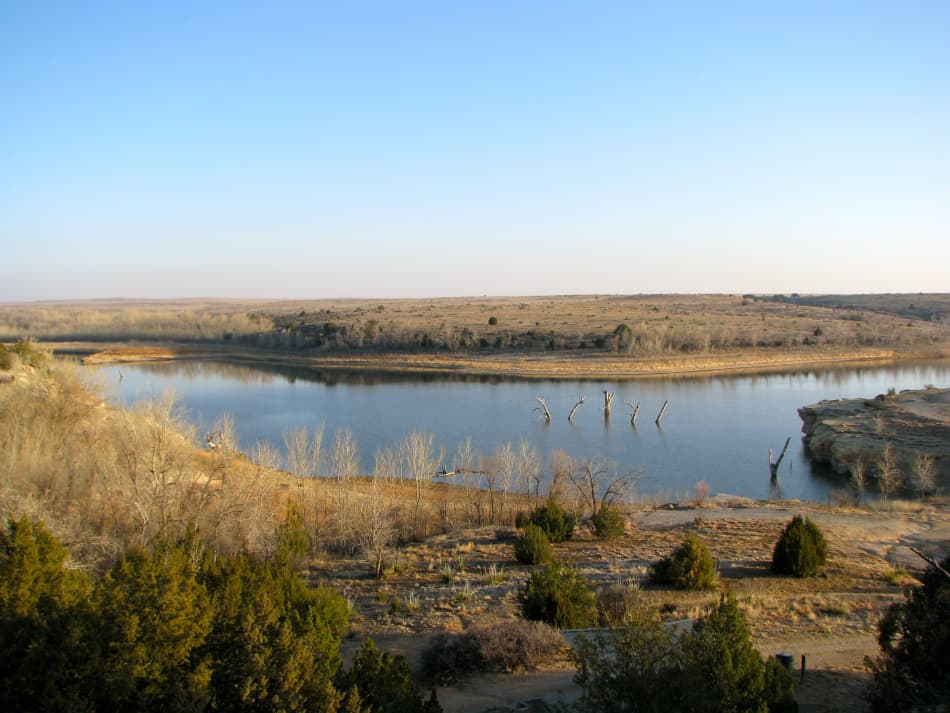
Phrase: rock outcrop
(913, 423)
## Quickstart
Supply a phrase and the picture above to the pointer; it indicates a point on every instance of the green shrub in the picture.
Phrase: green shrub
(533, 547)
(607, 522)
(558, 595)
(801, 549)
(689, 566)
(912, 674)
(646, 667)
(29, 353)
(383, 683)
(517, 646)
(779, 688)
(557, 523)
(6, 358)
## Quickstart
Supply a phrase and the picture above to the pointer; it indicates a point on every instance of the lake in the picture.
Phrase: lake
(717, 429)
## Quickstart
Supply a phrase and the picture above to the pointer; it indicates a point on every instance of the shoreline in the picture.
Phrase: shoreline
(556, 366)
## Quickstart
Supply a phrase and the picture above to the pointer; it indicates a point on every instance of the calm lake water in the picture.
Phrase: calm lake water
(717, 429)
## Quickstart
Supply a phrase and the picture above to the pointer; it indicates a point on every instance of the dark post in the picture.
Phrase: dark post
(803, 669)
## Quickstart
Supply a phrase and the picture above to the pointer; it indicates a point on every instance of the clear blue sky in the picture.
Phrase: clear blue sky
(330, 149)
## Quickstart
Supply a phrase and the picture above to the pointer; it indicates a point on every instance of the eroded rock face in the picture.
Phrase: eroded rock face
(912, 423)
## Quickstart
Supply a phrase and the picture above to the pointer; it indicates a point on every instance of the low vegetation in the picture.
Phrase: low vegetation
(911, 674)
(647, 666)
(555, 521)
(607, 522)
(519, 645)
(176, 628)
(560, 596)
(801, 550)
(533, 546)
(689, 566)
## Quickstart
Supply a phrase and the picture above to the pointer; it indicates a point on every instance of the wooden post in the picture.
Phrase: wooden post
(570, 416)
(803, 669)
(608, 397)
(543, 408)
(773, 467)
(662, 411)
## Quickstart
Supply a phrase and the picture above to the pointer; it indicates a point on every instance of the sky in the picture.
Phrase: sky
(423, 149)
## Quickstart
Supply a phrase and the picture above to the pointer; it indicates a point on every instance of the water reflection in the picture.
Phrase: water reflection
(716, 428)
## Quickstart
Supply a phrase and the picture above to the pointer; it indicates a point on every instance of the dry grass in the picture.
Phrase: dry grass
(524, 336)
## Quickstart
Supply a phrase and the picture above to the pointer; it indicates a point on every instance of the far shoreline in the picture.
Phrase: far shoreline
(564, 365)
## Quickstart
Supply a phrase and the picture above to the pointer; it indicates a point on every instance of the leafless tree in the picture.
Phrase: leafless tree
(562, 468)
(529, 468)
(345, 456)
(925, 470)
(888, 473)
(377, 528)
(597, 487)
(154, 471)
(859, 477)
(304, 451)
(386, 465)
(505, 462)
(468, 465)
(421, 462)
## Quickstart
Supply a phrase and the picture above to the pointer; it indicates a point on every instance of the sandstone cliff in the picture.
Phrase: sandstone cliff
(846, 432)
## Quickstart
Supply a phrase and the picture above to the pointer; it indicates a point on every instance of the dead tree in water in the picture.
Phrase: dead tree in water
(634, 412)
(570, 416)
(543, 408)
(662, 411)
(773, 467)
(608, 397)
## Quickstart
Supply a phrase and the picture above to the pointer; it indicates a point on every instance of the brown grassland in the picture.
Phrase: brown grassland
(591, 336)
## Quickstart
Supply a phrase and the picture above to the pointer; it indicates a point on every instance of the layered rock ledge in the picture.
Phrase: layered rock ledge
(913, 423)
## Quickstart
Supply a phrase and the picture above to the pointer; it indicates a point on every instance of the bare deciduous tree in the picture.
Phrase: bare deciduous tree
(597, 488)
(859, 477)
(562, 468)
(421, 462)
(925, 470)
(888, 473)
(505, 464)
(377, 528)
(529, 468)
(468, 464)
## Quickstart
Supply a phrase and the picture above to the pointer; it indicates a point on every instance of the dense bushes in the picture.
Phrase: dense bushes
(689, 566)
(532, 546)
(557, 523)
(558, 595)
(518, 645)
(912, 673)
(607, 522)
(173, 630)
(801, 549)
(646, 666)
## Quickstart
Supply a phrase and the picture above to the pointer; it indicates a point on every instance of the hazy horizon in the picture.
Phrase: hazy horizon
(423, 149)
